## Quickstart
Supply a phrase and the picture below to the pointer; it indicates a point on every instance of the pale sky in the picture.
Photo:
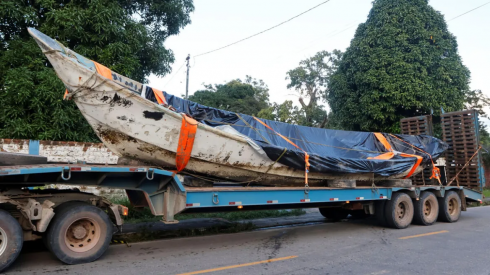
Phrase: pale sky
(269, 56)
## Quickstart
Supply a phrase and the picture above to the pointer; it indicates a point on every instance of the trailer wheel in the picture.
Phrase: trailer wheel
(11, 239)
(399, 211)
(450, 207)
(79, 233)
(334, 214)
(379, 212)
(426, 209)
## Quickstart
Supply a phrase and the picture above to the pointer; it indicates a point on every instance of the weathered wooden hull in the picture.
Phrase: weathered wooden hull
(136, 128)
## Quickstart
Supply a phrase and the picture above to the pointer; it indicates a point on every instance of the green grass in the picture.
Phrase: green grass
(144, 215)
(486, 192)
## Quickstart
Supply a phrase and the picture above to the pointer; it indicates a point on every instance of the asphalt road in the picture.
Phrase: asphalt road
(349, 247)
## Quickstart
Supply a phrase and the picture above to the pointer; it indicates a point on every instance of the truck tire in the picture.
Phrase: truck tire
(334, 214)
(11, 239)
(450, 207)
(79, 233)
(399, 211)
(379, 212)
(426, 209)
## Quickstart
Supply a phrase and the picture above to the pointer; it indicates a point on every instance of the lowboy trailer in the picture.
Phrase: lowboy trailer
(77, 227)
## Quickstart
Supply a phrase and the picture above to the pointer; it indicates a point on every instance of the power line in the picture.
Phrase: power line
(273, 27)
(174, 75)
(468, 11)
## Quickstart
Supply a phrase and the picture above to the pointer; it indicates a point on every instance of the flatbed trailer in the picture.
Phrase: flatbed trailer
(77, 227)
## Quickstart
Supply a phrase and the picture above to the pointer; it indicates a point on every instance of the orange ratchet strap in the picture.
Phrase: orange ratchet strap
(102, 70)
(391, 154)
(307, 157)
(186, 142)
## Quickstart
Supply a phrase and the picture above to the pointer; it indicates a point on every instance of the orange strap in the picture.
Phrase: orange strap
(186, 142)
(391, 154)
(436, 172)
(103, 70)
(307, 157)
(387, 145)
(414, 167)
(388, 155)
(384, 141)
(159, 96)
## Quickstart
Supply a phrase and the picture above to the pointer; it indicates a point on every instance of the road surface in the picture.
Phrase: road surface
(349, 247)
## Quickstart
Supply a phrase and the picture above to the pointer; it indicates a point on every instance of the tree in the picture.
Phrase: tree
(477, 100)
(311, 80)
(402, 62)
(284, 112)
(245, 97)
(126, 36)
(485, 143)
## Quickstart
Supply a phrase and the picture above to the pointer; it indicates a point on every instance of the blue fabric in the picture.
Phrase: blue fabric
(331, 151)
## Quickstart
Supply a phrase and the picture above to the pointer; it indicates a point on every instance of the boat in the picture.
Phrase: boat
(138, 122)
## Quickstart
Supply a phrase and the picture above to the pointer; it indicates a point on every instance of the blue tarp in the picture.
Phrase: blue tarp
(331, 151)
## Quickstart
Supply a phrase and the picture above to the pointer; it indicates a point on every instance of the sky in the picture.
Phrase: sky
(268, 56)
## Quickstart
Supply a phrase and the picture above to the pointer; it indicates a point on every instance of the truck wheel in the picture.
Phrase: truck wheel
(426, 209)
(450, 207)
(399, 211)
(334, 214)
(79, 233)
(379, 212)
(11, 239)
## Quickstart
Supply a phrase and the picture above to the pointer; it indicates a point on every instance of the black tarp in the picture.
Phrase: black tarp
(331, 151)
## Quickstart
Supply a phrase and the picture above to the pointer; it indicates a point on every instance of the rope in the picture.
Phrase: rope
(466, 164)
(255, 129)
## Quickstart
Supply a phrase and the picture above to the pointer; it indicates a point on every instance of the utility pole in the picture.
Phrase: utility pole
(187, 79)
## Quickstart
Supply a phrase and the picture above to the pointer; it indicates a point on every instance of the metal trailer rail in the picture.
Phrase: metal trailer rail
(166, 196)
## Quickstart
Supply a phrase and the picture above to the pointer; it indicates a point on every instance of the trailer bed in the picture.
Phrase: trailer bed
(154, 183)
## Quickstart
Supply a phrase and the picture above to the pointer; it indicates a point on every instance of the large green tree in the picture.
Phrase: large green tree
(247, 97)
(126, 36)
(402, 62)
(310, 80)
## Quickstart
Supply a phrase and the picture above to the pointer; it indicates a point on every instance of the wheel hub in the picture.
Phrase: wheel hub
(427, 208)
(82, 235)
(79, 232)
(400, 210)
(451, 209)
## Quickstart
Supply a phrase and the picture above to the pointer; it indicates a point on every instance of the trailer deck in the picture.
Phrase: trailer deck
(155, 183)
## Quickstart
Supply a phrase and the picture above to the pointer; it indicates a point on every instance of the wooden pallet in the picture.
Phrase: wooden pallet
(460, 131)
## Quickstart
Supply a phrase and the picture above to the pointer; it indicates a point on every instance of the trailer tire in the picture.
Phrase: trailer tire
(399, 211)
(11, 241)
(334, 213)
(379, 212)
(450, 207)
(426, 209)
(79, 233)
